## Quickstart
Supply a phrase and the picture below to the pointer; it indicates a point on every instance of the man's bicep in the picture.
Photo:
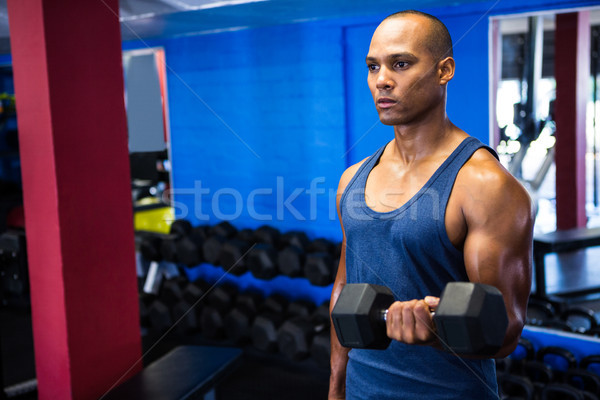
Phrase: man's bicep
(498, 246)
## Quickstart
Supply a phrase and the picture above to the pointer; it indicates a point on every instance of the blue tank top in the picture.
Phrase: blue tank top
(409, 251)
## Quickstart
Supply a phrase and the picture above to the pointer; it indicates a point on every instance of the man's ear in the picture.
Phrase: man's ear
(446, 70)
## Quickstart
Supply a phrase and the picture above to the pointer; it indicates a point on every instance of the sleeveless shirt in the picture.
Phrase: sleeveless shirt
(408, 250)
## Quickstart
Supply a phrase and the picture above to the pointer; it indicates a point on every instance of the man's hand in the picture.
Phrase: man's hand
(411, 321)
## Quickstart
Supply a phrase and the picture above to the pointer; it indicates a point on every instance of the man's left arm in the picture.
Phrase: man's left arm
(498, 245)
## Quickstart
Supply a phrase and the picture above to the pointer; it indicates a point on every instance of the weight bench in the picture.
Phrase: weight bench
(556, 242)
(186, 372)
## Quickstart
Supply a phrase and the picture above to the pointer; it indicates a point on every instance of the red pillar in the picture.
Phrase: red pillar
(572, 70)
(73, 143)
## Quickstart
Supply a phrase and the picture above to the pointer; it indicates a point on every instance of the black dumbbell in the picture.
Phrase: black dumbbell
(292, 255)
(218, 303)
(274, 314)
(266, 234)
(321, 245)
(223, 229)
(262, 261)
(217, 235)
(319, 268)
(470, 318)
(186, 312)
(149, 246)
(189, 247)
(295, 335)
(233, 256)
(168, 248)
(238, 321)
(145, 301)
(160, 311)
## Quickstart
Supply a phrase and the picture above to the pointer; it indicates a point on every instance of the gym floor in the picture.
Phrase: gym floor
(260, 375)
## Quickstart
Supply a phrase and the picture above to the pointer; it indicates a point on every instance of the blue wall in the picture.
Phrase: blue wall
(264, 121)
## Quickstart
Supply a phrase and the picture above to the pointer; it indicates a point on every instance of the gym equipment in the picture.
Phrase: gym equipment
(523, 353)
(238, 321)
(581, 319)
(159, 312)
(319, 269)
(557, 358)
(218, 234)
(14, 275)
(591, 363)
(186, 372)
(186, 312)
(232, 257)
(168, 247)
(583, 380)
(275, 312)
(149, 246)
(291, 257)
(189, 247)
(219, 301)
(266, 234)
(262, 261)
(470, 319)
(515, 387)
(320, 348)
(295, 335)
(321, 245)
(539, 311)
(561, 391)
(223, 229)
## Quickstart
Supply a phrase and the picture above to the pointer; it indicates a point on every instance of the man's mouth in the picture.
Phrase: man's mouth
(385, 102)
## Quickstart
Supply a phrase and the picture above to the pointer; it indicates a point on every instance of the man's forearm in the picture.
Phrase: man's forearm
(339, 360)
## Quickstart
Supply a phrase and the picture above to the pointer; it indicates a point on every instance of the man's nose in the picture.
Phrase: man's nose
(384, 81)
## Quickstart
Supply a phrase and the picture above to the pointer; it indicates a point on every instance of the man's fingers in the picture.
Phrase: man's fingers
(410, 322)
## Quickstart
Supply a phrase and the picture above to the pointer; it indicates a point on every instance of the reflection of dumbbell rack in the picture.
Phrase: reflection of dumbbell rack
(550, 373)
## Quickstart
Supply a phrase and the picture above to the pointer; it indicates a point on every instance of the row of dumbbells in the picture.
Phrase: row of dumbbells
(265, 251)
(296, 329)
(575, 319)
(550, 373)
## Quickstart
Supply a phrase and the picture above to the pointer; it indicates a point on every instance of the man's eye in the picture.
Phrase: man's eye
(372, 67)
(401, 64)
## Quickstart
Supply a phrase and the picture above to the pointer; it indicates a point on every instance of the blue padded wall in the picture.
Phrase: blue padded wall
(264, 121)
(257, 122)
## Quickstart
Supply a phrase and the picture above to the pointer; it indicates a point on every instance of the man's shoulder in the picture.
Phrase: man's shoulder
(349, 174)
(485, 180)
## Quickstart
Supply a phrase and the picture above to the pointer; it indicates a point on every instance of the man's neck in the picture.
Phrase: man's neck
(415, 141)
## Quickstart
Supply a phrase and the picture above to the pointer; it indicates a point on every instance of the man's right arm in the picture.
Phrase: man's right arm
(339, 354)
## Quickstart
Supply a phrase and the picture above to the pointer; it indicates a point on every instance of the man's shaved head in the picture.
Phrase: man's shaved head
(439, 42)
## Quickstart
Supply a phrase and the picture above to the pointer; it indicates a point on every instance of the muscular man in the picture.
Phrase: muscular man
(432, 206)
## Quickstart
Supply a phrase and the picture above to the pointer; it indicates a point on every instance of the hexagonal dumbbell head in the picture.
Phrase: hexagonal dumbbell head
(471, 318)
(358, 316)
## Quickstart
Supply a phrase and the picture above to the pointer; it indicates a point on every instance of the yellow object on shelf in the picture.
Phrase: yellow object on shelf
(153, 219)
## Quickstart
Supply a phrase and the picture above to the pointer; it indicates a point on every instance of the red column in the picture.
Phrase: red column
(572, 71)
(73, 143)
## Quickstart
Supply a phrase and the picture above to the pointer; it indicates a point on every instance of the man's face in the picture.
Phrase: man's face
(403, 74)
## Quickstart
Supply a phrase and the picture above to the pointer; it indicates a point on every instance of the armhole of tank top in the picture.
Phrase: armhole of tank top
(443, 232)
(357, 174)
